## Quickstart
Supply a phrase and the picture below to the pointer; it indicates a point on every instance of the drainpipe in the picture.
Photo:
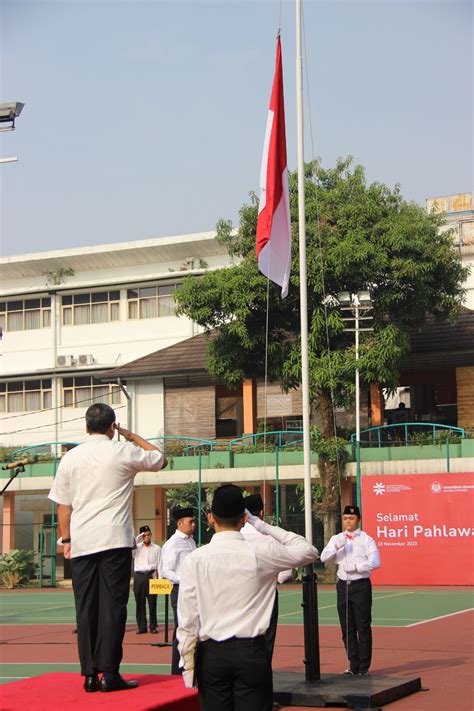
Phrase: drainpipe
(129, 403)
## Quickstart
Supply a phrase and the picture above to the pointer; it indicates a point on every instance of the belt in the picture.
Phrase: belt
(259, 638)
(144, 572)
(353, 582)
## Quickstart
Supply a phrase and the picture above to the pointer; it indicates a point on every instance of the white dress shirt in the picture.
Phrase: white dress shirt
(357, 556)
(96, 480)
(146, 558)
(251, 534)
(173, 553)
(227, 587)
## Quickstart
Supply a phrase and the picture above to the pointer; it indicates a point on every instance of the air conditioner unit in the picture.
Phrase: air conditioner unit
(85, 359)
(64, 361)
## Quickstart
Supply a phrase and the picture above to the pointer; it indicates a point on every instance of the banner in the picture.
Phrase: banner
(423, 525)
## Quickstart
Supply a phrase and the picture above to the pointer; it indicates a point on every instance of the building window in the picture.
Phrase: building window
(25, 314)
(151, 301)
(25, 396)
(96, 307)
(82, 391)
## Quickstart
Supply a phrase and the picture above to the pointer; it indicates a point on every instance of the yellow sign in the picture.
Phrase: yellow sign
(161, 586)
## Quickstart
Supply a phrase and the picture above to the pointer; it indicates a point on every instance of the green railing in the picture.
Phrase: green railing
(51, 446)
(260, 439)
(47, 545)
(407, 433)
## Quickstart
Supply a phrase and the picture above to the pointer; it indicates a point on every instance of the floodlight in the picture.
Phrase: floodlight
(364, 297)
(9, 112)
(344, 298)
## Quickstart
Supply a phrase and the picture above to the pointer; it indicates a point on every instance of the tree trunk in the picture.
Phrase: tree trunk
(329, 509)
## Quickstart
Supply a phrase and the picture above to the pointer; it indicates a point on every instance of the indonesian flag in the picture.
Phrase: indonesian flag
(273, 227)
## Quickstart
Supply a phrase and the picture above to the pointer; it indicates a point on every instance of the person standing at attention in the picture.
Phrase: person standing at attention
(254, 504)
(146, 560)
(175, 550)
(93, 489)
(227, 593)
(356, 556)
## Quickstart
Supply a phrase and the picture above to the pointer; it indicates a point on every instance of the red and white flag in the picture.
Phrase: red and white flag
(273, 227)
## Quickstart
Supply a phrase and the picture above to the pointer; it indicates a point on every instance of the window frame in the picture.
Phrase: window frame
(71, 309)
(19, 387)
(69, 392)
(43, 309)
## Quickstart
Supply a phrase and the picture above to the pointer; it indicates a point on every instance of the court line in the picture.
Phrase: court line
(300, 612)
(441, 617)
(40, 609)
(76, 664)
(326, 607)
(385, 597)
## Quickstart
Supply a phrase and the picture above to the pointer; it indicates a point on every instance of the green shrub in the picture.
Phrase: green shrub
(16, 568)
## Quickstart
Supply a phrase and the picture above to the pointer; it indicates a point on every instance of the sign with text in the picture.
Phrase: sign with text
(423, 525)
(160, 586)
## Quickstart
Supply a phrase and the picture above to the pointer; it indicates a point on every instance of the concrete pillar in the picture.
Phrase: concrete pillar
(465, 396)
(267, 496)
(376, 405)
(249, 398)
(346, 492)
(160, 514)
(8, 526)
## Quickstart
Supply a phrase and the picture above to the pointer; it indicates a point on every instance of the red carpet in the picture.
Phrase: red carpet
(64, 691)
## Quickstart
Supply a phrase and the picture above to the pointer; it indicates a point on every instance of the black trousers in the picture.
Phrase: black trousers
(235, 675)
(355, 619)
(174, 650)
(270, 634)
(141, 586)
(101, 583)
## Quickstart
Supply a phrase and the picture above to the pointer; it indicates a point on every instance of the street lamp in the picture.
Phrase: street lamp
(359, 305)
(8, 113)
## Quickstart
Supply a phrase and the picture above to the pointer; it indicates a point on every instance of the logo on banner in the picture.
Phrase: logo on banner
(436, 487)
(379, 489)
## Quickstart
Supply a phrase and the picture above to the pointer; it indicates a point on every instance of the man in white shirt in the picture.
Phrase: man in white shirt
(175, 550)
(356, 556)
(254, 504)
(93, 488)
(146, 560)
(227, 592)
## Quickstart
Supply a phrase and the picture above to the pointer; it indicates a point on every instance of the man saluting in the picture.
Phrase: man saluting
(227, 593)
(356, 556)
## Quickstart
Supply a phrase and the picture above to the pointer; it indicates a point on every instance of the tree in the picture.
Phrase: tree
(359, 236)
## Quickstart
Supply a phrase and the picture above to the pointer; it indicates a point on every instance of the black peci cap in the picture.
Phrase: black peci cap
(228, 501)
(182, 513)
(145, 529)
(254, 503)
(351, 511)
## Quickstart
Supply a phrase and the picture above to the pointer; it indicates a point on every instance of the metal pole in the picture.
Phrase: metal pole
(277, 488)
(310, 608)
(303, 281)
(129, 403)
(199, 500)
(310, 624)
(357, 396)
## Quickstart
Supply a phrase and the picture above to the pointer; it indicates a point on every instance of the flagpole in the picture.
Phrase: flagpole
(310, 598)
(308, 514)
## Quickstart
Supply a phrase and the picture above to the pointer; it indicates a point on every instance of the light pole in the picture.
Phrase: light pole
(8, 113)
(359, 305)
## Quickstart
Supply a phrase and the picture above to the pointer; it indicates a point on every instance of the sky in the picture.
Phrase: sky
(146, 118)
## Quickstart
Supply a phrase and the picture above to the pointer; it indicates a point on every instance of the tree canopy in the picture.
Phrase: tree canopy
(359, 236)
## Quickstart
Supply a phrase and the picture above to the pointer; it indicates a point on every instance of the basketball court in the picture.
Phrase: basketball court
(417, 631)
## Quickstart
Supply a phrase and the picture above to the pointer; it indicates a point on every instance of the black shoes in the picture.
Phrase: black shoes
(153, 630)
(91, 683)
(141, 631)
(116, 683)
